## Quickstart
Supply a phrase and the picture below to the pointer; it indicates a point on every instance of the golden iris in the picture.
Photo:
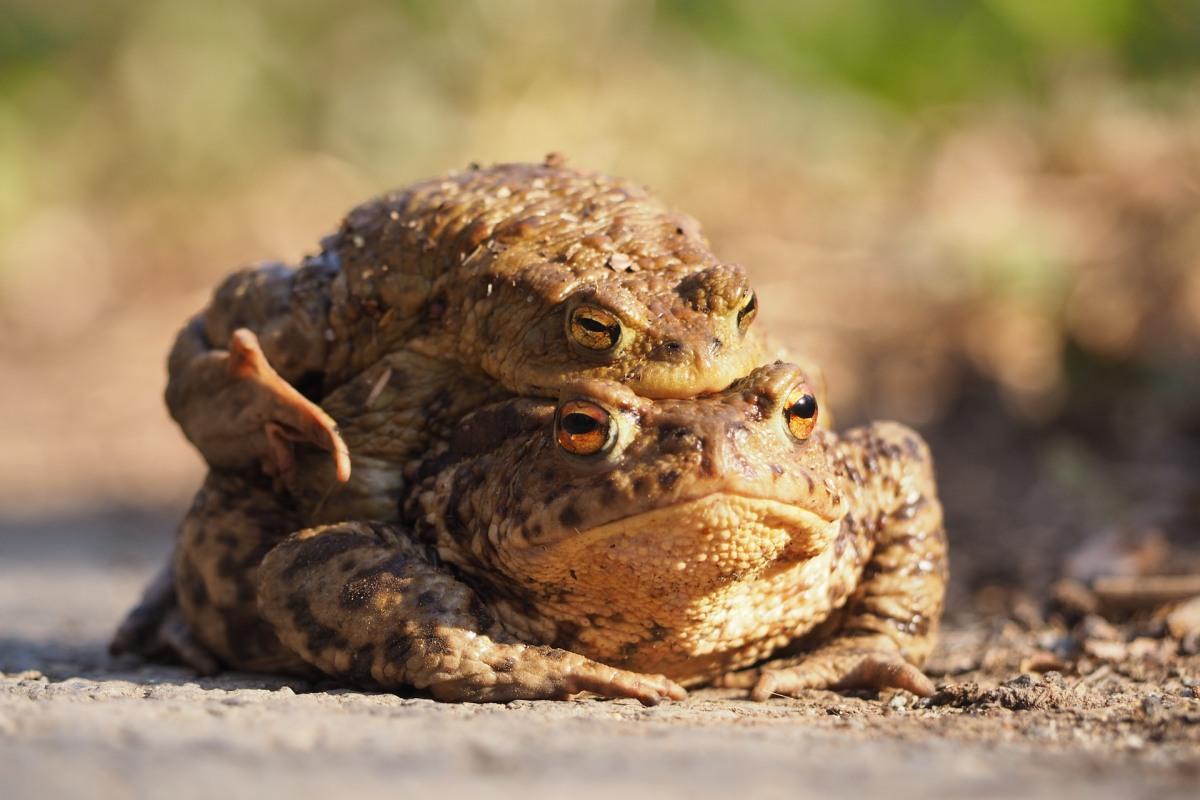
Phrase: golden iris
(747, 313)
(595, 328)
(584, 428)
(800, 412)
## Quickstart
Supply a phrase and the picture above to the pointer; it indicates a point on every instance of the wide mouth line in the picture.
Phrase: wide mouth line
(664, 383)
(797, 512)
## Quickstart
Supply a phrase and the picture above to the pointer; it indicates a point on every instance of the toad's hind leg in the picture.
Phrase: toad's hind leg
(235, 520)
(366, 604)
(887, 628)
(155, 628)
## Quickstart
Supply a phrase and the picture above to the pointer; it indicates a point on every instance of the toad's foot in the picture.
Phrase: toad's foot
(286, 416)
(178, 639)
(547, 673)
(156, 630)
(888, 625)
(365, 603)
(139, 629)
(850, 663)
(239, 412)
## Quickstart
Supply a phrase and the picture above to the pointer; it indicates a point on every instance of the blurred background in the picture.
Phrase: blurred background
(982, 218)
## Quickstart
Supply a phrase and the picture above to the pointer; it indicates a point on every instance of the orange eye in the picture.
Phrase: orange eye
(595, 328)
(748, 313)
(584, 428)
(800, 412)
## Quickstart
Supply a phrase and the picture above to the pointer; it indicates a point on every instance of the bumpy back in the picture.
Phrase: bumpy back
(481, 266)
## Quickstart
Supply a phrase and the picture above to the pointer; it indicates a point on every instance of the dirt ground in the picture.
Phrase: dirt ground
(1117, 717)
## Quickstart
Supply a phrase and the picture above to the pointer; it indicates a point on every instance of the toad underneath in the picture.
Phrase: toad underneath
(622, 546)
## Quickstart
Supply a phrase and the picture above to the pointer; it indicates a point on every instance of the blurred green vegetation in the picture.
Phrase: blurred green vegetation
(920, 53)
(930, 195)
(192, 93)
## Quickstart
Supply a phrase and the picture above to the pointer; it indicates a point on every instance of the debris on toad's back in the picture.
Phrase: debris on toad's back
(619, 262)
(377, 389)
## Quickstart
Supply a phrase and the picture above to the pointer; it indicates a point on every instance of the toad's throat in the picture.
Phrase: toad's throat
(689, 590)
(706, 542)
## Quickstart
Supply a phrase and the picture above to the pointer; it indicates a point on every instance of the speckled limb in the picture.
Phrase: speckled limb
(234, 521)
(888, 626)
(365, 604)
(155, 628)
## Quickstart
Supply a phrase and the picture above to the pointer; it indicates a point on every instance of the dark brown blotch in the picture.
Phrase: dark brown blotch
(389, 577)
(569, 517)
(322, 548)
(191, 584)
(228, 567)
(318, 637)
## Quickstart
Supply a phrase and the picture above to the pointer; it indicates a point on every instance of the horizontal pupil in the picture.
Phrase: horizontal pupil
(576, 424)
(593, 325)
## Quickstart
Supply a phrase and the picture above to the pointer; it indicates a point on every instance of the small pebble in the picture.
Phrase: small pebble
(1024, 681)
(1094, 626)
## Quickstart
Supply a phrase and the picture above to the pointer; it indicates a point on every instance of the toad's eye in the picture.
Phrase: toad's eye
(800, 413)
(747, 313)
(584, 428)
(595, 328)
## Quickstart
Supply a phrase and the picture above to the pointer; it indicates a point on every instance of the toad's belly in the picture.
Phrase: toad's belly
(690, 591)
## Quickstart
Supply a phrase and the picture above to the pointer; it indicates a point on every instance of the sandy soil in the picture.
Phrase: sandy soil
(75, 722)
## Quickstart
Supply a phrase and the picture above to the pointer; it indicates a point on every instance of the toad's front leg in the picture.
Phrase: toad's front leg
(240, 413)
(365, 604)
(887, 628)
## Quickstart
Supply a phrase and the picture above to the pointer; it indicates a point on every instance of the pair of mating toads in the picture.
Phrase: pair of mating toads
(513, 434)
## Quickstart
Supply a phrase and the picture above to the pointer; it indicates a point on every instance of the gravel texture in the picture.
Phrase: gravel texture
(74, 722)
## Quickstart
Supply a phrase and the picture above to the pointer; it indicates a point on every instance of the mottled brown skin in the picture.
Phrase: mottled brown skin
(707, 540)
(430, 302)
(479, 272)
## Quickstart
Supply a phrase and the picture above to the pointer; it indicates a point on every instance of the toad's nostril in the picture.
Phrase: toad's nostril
(671, 350)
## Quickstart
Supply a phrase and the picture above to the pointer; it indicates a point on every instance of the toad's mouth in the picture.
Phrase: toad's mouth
(721, 533)
(666, 381)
